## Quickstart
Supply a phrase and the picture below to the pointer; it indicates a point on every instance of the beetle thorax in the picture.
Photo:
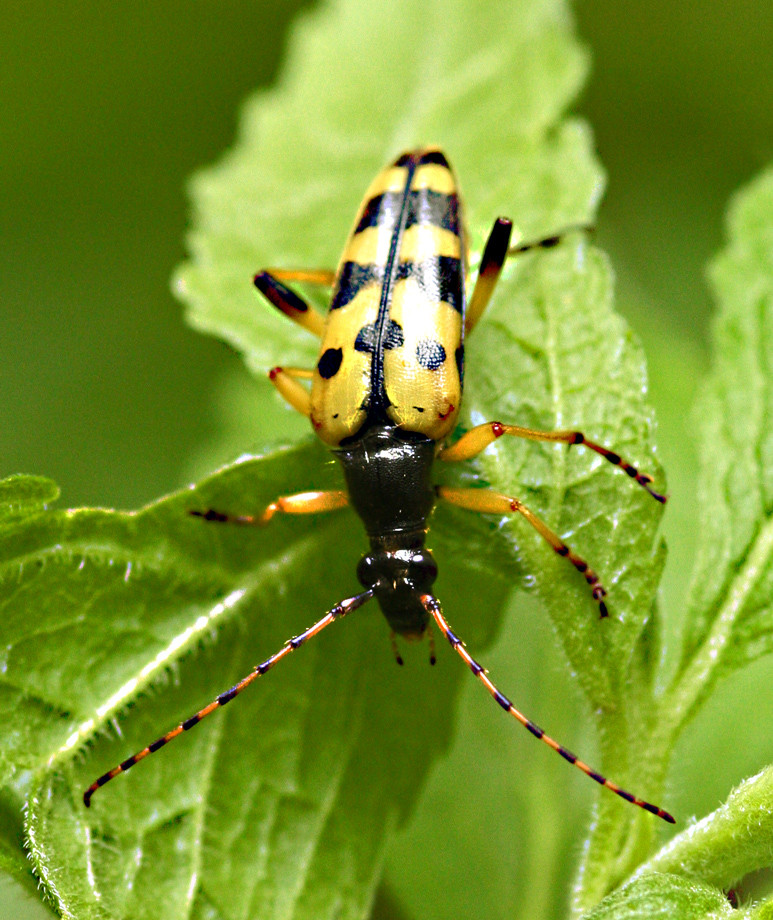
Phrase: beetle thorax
(388, 477)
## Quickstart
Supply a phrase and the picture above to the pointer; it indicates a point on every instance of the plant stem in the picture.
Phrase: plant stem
(620, 837)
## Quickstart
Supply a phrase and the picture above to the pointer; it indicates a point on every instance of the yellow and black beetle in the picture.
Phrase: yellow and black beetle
(385, 394)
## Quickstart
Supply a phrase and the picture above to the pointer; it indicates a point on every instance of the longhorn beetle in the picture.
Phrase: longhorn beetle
(385, 395)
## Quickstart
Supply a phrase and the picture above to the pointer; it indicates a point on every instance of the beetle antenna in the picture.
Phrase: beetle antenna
(335, 613)
(432, 605)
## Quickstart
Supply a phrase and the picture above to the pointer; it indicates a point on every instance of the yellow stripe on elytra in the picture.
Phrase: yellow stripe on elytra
(425, 241)
(368, 247)
(336, 402)
(392, 179)
(423, 400)
(434, 177)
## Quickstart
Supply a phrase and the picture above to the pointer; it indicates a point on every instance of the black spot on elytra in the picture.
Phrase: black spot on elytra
(330, 363)
(430, 354)
(367, 337)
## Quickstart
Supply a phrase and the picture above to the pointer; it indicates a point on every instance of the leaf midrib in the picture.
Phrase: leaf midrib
(157, 663)
(703, 669)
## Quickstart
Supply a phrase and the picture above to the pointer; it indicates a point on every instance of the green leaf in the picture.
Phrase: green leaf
(283, 805)
(282, 802)
(455, 89)
(25, 494)
(762, 911)
(566, 339)
(13, 859)
(487, 83)
(663, 897)
(730, 614)
(728, 844)
(729, 617)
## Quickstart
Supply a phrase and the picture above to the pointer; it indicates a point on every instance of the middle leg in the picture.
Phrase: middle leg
(477, 439)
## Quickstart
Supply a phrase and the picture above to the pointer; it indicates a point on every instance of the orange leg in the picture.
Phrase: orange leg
(285, 379)
(300, 503)
(487, 502)
(478, 439)
(340, 610)
(270, 284)
(290, 303)
(495, 252)
(433, 608)
(325, 277)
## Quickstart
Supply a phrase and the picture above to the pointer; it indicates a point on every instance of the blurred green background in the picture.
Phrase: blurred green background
(106, 109)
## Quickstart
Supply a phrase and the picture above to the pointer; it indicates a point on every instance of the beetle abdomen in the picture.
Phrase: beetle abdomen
(392, 349)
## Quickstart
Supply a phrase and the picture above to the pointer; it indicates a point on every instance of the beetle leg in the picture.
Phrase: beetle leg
(290, 303)
(477, 439)
(285, 379)
(495, 252)
(324, 277)
(488, 502)
(494, 255)
(300, 503)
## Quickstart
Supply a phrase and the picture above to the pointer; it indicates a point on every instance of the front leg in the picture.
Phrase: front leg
(486, 501)
(300, 503)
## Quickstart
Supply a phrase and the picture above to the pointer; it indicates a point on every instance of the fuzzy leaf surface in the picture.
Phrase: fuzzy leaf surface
(282, 805)
(293, 789)
(663, 897)
(731, 842)
(730, 614)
